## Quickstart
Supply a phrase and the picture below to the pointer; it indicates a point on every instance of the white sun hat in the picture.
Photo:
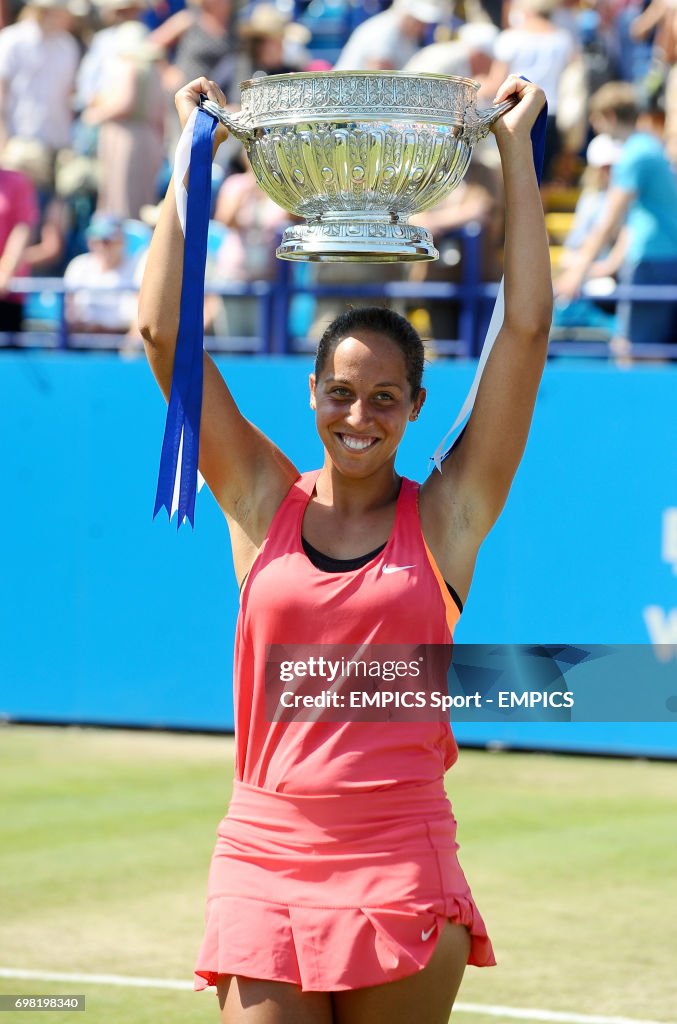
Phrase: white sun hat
(603, 151)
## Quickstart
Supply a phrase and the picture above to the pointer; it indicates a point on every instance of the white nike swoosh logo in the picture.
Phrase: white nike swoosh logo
(396, 568)
(426, 935)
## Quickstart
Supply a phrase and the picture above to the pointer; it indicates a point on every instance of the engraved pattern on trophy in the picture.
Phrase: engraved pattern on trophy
(432, 97)
(391, 159)
(358, 198)
(356, 153)
(473, 125)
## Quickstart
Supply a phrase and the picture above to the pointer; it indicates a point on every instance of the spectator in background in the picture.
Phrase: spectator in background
(80, 25)
(38, 62)
(478, 199)
(101, 284)
(76, 184)
(602, 155)
(247, 252)
(129, 111)
(270, 44)
(33, 159)
(643, 190)
(45, 254)
(660, 19)
(389, 39)
(633, 56)
(539, 50)
(273, 44)
(593, 66)
(494, 10)
(566, 15)
(104, 46)
(469, 55)
(18, 217)
(597, 49)
(202, 35)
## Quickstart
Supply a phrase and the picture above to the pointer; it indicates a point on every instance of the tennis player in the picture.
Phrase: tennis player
(335, 895)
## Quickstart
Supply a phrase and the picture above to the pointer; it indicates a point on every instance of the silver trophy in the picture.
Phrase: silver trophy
(356, 153)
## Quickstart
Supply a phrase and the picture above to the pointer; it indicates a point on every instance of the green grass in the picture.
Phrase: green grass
(106, 838)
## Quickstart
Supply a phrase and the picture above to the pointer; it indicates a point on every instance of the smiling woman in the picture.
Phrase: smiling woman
(367, 385)
(335, 893)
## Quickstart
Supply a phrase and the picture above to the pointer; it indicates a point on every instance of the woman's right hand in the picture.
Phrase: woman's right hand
(188, 98)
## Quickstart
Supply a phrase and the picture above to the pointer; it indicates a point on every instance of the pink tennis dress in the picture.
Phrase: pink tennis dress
(335, 865)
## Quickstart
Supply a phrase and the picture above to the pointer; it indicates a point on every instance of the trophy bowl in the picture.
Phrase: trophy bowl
(356, 153)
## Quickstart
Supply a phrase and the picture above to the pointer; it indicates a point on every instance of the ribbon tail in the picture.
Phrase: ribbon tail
(187, 487)
(495, 325)
(497, 317)
(177, 479)
(201, 483)
(171, 443)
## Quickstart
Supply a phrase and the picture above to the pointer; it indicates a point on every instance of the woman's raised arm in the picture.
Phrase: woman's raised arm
(466, 497)
(247, 474)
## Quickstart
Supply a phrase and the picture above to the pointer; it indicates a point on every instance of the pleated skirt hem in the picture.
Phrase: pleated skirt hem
(317, 895)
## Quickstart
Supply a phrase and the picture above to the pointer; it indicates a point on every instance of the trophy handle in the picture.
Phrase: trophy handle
(478, 122)
(236, 127)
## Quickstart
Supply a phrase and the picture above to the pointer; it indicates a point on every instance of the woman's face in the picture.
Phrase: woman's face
(362, 400)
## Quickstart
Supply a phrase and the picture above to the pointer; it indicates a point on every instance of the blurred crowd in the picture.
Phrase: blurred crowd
(88, 130)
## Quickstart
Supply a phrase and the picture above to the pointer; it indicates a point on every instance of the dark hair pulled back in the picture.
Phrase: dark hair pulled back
(379, 320)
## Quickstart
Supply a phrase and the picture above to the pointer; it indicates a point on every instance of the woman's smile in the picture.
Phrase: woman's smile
(357, 442)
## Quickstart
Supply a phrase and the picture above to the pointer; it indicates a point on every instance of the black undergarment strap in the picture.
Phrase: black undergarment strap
(456, 598)
(328, 564)
(325, 563)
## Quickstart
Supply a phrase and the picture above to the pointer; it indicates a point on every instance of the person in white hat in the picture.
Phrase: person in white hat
(601, 156)
(101, 296)
(38, 62)
(390, 39)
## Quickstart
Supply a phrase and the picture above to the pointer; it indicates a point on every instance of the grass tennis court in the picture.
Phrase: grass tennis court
(107, 836)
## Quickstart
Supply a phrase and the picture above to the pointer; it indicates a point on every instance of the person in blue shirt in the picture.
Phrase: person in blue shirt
(643, 194)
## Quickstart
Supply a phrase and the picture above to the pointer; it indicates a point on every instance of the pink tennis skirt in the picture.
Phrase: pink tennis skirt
(334, 892)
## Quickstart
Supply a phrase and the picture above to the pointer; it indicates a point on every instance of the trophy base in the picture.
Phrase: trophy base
(355, 241)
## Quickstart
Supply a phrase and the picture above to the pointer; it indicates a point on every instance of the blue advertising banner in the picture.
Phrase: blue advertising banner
(584, 554)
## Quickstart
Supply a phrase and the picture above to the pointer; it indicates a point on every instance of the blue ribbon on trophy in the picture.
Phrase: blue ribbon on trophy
(179, 478)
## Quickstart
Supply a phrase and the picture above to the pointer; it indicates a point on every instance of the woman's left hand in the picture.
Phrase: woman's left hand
(519, 121)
